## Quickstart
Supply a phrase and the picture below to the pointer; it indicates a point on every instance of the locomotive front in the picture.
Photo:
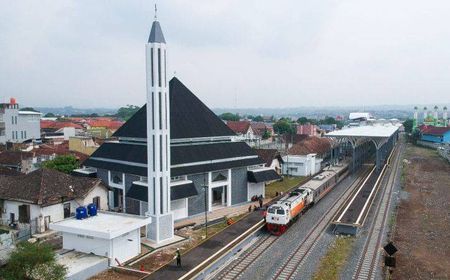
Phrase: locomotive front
(277, 218)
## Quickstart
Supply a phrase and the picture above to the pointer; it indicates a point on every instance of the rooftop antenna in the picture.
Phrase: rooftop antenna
(156, 12)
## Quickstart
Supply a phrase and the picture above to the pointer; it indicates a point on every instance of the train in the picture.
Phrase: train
(280, 215)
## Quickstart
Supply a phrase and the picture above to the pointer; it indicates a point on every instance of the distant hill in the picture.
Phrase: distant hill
(69, 110)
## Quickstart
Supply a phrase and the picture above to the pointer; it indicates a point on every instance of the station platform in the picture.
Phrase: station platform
(352, 215)
(200, 253)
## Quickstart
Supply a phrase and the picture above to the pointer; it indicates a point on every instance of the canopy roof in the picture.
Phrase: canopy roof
(381, 130)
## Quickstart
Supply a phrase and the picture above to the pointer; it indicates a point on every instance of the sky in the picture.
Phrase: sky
(236, 54)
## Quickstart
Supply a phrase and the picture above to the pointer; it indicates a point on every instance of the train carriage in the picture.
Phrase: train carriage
(284, 212)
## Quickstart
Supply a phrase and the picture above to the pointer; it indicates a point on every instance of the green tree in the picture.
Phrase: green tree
(302, 120)
(266, 135)
(125, 113)
(63, 163)
(258, 119)
(49, 115)
(283, 126)
(408, 125)
(33, 261)
(230, 117)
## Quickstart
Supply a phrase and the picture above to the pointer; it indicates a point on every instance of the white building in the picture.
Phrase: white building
(18, 126)
(45, 196)
(301, 165)
(112, 235)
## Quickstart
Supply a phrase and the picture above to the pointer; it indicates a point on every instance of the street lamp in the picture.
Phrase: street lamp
(205, 187)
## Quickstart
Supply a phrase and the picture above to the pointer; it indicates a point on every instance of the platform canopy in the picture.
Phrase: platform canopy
(378, 133)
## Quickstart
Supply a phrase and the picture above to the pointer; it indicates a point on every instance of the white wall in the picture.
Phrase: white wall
(255, 189)
(179, 208)
(13, 207)
(126, 246)
(87, 244)
(305, 165)
(97, 191)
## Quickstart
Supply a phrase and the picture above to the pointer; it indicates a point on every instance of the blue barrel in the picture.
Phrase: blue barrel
(92, 209)
(81, 213)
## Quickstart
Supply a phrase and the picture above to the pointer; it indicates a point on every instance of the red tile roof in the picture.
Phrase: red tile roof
(45, 124)
(259, 128)
(239, 127)
(108, 123)
(434, 130)
(311, 145)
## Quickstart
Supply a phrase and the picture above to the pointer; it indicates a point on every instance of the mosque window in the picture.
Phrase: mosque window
(159, 67)
(151, 65)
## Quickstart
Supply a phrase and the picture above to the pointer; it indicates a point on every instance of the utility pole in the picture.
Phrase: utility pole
(205, 187)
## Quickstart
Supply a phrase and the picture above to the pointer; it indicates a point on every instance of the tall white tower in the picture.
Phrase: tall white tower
(445, 115)
(158, 137)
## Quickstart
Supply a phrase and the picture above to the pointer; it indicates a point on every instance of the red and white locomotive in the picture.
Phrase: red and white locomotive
(280, 215)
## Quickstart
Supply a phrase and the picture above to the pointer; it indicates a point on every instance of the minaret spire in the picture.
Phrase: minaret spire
(156, 13)
(158, 137)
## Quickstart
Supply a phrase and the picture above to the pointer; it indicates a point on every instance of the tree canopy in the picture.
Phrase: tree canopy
(50, 115)
(408, 124)
(283, 126)
(33, 261)
(125, 113)
(62, 163)
(230, 117)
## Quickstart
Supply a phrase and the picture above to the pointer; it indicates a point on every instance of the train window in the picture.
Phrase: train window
(271, 211)
(280, 212)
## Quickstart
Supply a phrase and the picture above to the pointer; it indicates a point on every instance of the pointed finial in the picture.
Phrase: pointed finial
(156, 12)
(174, 73)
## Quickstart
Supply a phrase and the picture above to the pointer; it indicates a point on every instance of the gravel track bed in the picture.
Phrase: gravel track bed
(271, 259)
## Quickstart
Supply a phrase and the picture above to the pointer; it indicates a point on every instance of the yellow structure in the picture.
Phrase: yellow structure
(84, 145)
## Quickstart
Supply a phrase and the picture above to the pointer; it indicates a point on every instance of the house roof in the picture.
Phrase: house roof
(239, 127)
(45, 187)
(46, 124)
(311, 145)
(259, 128)
(268, 155)
(434, 130)
(13, 157)
(262, 175)
(8, 171)
(189, 117)
(111, 124)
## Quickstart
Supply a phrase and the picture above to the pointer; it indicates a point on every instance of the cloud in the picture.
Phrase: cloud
(230, 53)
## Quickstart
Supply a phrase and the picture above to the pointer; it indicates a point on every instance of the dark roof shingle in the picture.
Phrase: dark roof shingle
(45, 187)
(189, 117)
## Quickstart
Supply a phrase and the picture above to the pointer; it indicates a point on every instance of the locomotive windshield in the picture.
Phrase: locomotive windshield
(280, 212)
(271, 210)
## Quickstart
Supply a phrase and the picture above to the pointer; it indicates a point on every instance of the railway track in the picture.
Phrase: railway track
(297, 257)
(239, 265)
(370, 256)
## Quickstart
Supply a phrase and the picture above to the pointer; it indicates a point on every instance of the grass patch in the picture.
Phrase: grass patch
(283, 186)
(331, 264)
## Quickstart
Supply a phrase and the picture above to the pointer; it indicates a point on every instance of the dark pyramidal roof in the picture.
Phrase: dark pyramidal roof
(189, 117)
(156, 35)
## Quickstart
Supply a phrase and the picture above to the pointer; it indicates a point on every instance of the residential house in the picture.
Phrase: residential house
(83, 144)
(435, 134)
(45, 196)
(242, 129)
(307, 129)
(18, 126)
(305, 157)
(272, 158)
